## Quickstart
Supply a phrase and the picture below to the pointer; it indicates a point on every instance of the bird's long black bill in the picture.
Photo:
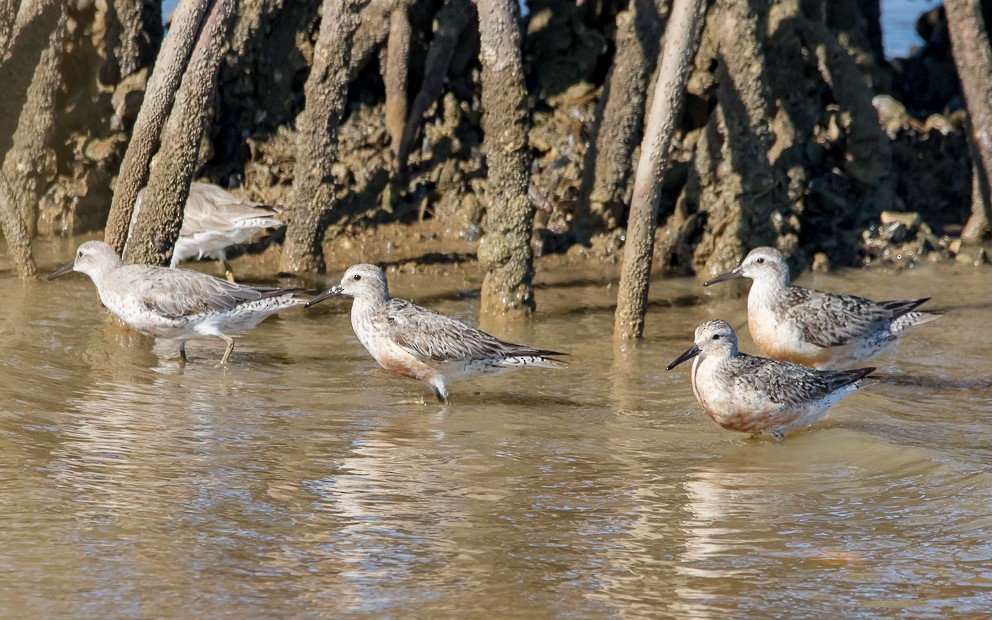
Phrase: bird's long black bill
(690, 353)
(61, 271)
(331, 292)
(723, 277)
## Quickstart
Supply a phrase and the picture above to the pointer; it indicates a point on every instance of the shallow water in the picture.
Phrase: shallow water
(298, 483)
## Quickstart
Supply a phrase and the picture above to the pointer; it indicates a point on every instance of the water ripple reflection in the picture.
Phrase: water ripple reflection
(302, 482)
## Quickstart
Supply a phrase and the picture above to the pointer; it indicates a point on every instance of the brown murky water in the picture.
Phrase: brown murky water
(296, 482)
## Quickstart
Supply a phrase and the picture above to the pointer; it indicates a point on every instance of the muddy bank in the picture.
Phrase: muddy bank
(425, 247)
(430, 248)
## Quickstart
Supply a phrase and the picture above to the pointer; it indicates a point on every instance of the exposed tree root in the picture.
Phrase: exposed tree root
(616, 129)
(453, 18)
(157, 226)
(681, 37)
(170, 66)
(396, 68)
(326, 94)
(505, 251)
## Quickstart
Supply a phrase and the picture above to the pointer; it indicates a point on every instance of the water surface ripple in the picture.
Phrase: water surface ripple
(303, 482)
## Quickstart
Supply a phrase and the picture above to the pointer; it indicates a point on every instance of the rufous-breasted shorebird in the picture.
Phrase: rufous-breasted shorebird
(822, 330)
(423, 344)
(756, 394)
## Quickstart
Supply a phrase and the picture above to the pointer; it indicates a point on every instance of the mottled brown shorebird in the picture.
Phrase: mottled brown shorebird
(423, 344)
(822, 330)
(758, 395)
(176, 303)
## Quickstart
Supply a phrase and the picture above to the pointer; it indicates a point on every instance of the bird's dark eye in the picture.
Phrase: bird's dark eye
(760, 260)
(80, 254)
(356, 277)
(716, 336)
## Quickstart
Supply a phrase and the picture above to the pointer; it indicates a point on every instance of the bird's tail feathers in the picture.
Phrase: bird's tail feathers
(270, 291)
(911, 319)
(533, 361)
(903, 306)
(261, 222)
(838, 379)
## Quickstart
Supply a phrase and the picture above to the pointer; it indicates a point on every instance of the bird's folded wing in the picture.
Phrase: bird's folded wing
(212, 208)
(173, 293)
(830, 320)
(782, 382)
(431, 335)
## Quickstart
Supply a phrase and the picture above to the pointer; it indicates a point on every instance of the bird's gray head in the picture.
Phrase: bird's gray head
(765, 264)
(716, 338)
(94, 258)
(364, 282)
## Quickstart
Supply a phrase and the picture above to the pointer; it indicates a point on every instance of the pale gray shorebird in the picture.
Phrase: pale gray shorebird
(213, 221)
(423, 344)
(756, 394)
(822, 330)
(176, 303)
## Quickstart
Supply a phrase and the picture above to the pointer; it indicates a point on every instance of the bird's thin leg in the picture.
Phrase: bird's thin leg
(182, 351)
(228, 272)
(227, 353)
(440, 387)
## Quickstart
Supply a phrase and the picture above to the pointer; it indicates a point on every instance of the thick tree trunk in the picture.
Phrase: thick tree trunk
(170, 67)
(973, 59)
(24, 165)
(396, 68)
(317, 135)
(608, 162)
(32, 41)
(161, 216)
(681, 37)
(449, 24)
(505, 251)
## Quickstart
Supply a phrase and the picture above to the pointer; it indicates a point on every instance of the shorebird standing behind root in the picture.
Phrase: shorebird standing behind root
(758, 395)
(214, 220)
(423, 344)
(175, 303)
(822, 330)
